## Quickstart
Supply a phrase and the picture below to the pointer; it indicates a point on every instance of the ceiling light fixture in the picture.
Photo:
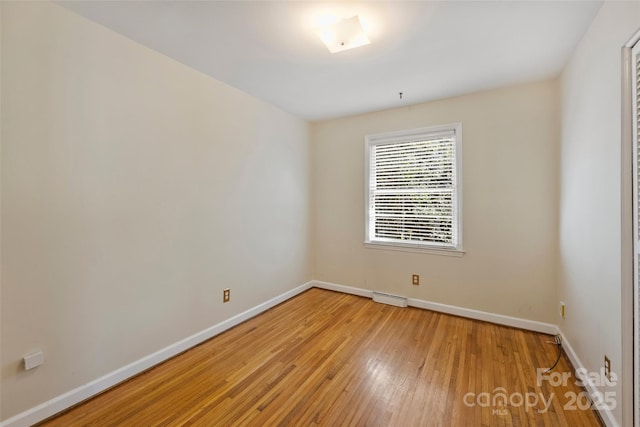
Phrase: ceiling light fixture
(346, 34)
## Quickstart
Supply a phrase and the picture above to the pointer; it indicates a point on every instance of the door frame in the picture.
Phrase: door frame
(629, 292)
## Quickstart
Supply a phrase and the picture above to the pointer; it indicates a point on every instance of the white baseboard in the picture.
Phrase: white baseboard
(500, 319)
(605, 414)
(342, 288)
(73, 397)
(531, 325)
(66, 400)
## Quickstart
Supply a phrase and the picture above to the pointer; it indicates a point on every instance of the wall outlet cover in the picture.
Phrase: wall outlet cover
(33, 360)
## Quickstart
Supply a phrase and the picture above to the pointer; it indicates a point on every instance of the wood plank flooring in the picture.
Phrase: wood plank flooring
(330, 359)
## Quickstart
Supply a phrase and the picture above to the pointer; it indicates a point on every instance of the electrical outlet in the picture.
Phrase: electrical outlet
(562, 309)
(607, 367)
(226, 295)
(415, 280)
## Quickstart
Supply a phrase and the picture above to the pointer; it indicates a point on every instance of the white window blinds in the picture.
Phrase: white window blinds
(413, 188)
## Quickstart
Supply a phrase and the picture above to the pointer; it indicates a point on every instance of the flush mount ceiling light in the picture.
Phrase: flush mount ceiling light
(346, 34)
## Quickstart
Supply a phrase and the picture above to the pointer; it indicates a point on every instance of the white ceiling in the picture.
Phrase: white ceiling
(427, 50)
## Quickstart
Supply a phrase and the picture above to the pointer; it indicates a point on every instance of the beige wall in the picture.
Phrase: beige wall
(589, 273)
(134, 189)
(509, 198)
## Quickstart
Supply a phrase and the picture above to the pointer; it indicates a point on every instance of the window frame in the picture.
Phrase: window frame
(403, 136)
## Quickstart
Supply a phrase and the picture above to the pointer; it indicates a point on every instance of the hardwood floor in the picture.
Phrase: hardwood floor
(330, 359)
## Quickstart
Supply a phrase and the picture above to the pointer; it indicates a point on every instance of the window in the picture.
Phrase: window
(413, 189)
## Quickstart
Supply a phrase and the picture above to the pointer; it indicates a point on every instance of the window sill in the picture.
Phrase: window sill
(416, 249)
